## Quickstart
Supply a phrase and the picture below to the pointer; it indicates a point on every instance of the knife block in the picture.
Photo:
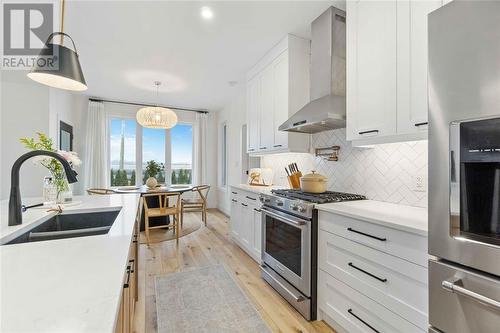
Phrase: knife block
(294, 180)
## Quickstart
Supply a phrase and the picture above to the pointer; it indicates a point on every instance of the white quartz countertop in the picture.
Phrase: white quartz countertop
(66, 285)
(256, 189)
(405, 218)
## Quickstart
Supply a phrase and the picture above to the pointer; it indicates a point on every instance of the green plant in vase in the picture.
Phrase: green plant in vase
(153, 170)
(59, 180)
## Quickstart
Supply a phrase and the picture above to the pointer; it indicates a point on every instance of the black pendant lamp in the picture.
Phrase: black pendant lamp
(57, 65)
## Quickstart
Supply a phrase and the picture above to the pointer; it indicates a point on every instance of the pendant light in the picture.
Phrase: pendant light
(156, 116)
(67, 73)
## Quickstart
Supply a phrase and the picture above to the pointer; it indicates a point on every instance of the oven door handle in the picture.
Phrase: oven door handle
(282, 218)
(454, 287)
(297, 299)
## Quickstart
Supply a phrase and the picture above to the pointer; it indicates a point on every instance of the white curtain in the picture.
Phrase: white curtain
(96, 157)
(200, 149)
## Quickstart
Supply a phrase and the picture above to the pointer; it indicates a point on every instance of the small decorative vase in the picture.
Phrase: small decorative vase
(151, 182)
(65, 196)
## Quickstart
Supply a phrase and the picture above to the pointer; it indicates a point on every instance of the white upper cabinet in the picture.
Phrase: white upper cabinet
(371, 69)
(277, 87)
(253, 114)
(267, 108)
(387, 70)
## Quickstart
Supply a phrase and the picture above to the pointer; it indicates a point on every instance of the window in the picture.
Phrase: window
(153, 153)
(181, 137)
(168, 152)
(223, 155)
(122, 152)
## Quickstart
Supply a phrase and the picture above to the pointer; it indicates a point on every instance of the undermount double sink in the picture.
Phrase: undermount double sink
(69, 226)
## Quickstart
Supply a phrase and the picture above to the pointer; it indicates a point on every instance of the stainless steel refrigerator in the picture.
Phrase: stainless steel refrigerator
(464, 167)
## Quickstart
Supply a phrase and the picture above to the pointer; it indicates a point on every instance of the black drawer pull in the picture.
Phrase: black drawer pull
(367, 273)
(127, 284)
(367, 235)
(234, 192)
(234, 200)
(257, 210)
(250, 198)
(276, 146)
(361, 320)
(367, 132)
(421, 124)
(263, 148)
(244, 204)
(251, 149)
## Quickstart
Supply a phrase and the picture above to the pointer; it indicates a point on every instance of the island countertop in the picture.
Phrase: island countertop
(66, 285)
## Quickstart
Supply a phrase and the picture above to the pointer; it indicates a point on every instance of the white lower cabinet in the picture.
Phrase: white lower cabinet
(368, 281)
(246, 223)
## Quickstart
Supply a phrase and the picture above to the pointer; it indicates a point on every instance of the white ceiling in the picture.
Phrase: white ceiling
(126, 45)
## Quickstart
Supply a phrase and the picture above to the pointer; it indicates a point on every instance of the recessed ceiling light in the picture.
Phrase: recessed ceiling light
(207, 13)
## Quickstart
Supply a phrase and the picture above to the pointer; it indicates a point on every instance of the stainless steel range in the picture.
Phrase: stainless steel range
(290, 241)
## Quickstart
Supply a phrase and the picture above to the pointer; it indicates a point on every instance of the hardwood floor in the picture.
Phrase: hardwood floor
(207, 246)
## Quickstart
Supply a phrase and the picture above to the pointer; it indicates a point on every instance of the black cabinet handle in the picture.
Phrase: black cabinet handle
(244, 204)
(234, 200)
(263, 148)
(367, 273)
(234, 192)
(421, 124)
(250, 198)
(367, 132)
(126, 285)
(257, 210)
(367, 235)
(361, 320)
(132, 265)
(276, 146)
(251, 149)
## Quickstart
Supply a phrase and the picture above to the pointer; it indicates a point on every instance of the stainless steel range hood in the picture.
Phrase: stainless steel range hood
(326, 110)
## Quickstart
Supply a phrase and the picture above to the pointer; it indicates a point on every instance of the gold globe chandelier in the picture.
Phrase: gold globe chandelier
(156, 116)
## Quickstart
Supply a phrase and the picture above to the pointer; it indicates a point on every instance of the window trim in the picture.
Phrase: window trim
(223, 161)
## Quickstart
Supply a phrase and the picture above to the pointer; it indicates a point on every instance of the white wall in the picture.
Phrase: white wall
(28, 107)
(234, 115)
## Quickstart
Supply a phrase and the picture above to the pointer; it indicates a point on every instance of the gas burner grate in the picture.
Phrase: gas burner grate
(318, 198)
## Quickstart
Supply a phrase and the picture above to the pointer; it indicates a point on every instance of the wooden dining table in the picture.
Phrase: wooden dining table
(153, 201)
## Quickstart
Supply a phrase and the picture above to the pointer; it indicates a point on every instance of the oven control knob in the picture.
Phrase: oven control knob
(279, 203)
(302, 209)
(294, 207)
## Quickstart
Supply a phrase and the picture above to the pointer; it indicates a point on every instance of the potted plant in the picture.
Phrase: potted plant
(153, 170)
(57, 175)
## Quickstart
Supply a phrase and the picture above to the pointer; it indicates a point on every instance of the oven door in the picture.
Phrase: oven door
(286, 247)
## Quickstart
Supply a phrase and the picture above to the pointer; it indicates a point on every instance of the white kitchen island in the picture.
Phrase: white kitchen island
(66, 285)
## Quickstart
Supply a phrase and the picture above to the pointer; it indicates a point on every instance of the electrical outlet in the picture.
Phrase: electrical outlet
(419, 183)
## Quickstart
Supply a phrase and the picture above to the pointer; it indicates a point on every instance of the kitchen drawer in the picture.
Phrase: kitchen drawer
(355, 312)
(398, 243)
(395, 283)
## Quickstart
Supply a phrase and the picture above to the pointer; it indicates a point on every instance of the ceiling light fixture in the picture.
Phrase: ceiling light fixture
(58, 66)
(207, 13)
(156, 116)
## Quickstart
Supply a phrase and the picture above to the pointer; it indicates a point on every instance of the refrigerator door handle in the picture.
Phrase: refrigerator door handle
(454, 286)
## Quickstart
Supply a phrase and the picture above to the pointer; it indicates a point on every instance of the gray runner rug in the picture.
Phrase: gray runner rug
(204, 300)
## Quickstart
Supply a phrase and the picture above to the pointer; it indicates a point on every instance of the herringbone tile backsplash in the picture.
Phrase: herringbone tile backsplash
(385, 172)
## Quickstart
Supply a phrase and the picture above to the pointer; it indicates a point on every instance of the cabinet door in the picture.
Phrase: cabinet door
(246, 234)
(280, 69)
(236, 217)
(253, 114)
(257, 231)
(266, 109)
(412, 64)
(371, 68)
